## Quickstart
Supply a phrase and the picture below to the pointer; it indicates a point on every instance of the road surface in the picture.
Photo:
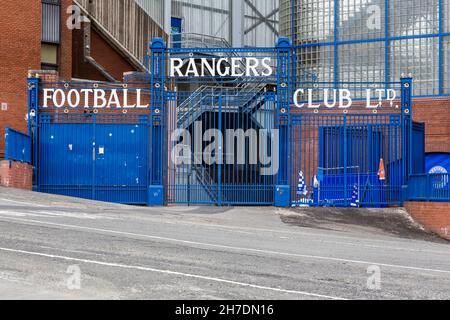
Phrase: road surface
(60, 248)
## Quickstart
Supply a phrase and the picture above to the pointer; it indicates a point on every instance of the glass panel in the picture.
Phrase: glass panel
(362, 62)
(316, 64)
(413, 17)
(285, 18)
(49, 54)
(361, 19)
(418, 57)
(446, 15)
(51, 21)
(314, 21)
(446, 65)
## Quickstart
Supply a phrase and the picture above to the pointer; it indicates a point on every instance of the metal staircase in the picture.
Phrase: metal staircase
(205, 99)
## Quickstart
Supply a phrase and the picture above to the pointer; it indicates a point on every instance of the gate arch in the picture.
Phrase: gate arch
(217, 121)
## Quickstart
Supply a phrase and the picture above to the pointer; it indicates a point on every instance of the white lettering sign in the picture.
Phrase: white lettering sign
(222, 67)
(341, 98)
(94, 98)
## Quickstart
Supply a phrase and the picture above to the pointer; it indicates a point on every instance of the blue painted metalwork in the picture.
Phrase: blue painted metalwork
(285, 85)
(429, 187)
(437, 163)
(418, 148)
(336, 152)
(406, 109)
(157, 121)
(17, 146)
(334, 40)
(243, 107)
(179, 150)
(100, 157)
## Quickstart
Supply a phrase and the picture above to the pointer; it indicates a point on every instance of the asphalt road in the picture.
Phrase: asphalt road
(48, 243)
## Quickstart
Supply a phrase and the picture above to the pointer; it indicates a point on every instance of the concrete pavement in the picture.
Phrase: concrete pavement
(48, 243)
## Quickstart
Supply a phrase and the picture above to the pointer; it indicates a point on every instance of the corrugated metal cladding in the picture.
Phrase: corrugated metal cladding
(51, 21)
(154, 8)
(127, 22)
(261, 23)
(206, 17)
(213, 18)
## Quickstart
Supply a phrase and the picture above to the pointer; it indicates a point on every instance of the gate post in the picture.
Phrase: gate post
(282, 192)
(406, 105)
(157, 148)
(33, 123)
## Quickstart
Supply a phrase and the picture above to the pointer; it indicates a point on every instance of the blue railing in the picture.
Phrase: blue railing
(429, 187)
(17, 146)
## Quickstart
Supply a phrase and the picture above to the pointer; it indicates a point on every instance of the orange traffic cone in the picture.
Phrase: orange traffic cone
(381, 171)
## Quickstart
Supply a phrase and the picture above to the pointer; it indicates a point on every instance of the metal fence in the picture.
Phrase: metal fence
(429, 187)
(96, 153)
(17, 146)
(224, 126)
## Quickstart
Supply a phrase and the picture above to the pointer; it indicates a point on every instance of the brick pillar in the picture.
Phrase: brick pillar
(15, 174)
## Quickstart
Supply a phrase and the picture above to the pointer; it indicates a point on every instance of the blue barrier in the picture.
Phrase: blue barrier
(371, 192)
(429, 187)
(17, 146)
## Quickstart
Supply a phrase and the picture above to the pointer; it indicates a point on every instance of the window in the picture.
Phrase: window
(361, 19)
(420, 58)
(446, 65)
(51, 29)
(51, 21)
(412, 17)
(49, 54)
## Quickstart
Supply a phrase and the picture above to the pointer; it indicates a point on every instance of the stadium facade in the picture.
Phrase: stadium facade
(347, 157)
(379, 41)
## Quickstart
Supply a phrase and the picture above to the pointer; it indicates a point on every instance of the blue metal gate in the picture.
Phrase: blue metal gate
(228, 134)
(100, 157)
(223, 141)
(352, 157)
(106, 154)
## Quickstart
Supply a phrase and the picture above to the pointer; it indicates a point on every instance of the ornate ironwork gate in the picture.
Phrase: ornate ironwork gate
(222, 127)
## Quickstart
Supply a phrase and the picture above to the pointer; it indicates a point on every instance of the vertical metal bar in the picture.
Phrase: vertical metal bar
(335, 41)
(158, 101)
(94, 147)
(345, 161)
(33, 126)
(284, 83)
(406, 106)
(441, 48)
(219, 150)
(386, 43)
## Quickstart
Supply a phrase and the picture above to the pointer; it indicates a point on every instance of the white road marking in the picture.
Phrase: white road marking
(22, 202)
(237, 229)
(233, 247)
(188, 275)
(44, 213)
(303, 233)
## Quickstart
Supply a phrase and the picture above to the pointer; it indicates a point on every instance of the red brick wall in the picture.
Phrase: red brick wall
(103, 53)
(65, 50)
(433, 216)
(435, 113)
(16, 175)
(20, 51)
